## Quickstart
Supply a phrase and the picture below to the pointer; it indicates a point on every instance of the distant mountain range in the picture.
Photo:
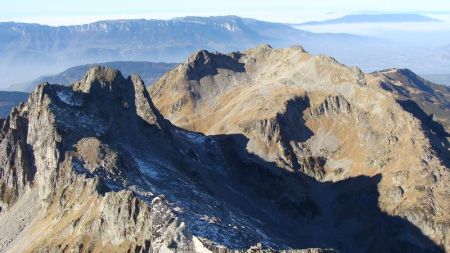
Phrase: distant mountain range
(374, 18)
(148, 71)
(31, 50)
(28, 51)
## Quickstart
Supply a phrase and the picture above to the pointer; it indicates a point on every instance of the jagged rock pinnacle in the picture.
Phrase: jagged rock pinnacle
(100, 78)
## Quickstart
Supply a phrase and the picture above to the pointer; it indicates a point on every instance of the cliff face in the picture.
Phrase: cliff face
(62, 158)
(292, 153)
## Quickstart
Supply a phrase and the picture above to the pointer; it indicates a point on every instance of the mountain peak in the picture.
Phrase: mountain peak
(264, 47)
(312, 115)
(200, 57)
(204, 63)
(107, 92)
(100, 77)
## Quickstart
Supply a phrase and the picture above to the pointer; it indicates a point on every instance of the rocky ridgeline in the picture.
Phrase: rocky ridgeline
(103, 171)
(284, 152)
(312, 115)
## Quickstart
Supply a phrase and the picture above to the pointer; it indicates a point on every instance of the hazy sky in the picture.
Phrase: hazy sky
(63, 12)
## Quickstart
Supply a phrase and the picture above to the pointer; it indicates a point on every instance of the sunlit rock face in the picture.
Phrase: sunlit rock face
(312, 115)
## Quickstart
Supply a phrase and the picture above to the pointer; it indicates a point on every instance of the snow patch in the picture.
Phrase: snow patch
(147, 169)
(67, 97)
(193, 137)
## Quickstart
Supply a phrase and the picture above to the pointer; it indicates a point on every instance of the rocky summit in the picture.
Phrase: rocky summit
(266, 150)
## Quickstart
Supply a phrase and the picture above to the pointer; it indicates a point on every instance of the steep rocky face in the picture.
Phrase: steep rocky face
(62, 157)
(17, 165)
(311, 115)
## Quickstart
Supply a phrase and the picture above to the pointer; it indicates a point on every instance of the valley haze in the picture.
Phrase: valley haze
(34, 50)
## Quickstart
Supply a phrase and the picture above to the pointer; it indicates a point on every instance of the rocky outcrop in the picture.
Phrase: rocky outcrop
(332, 105)
(39, 140)
(79, 172)
(17, 168)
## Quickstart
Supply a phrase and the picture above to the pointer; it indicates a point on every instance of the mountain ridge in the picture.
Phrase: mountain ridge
(43, 49)
(374, 18)
(289, 157)
(319, 97)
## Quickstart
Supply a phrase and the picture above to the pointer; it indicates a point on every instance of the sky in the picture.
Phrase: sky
(65, 12)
